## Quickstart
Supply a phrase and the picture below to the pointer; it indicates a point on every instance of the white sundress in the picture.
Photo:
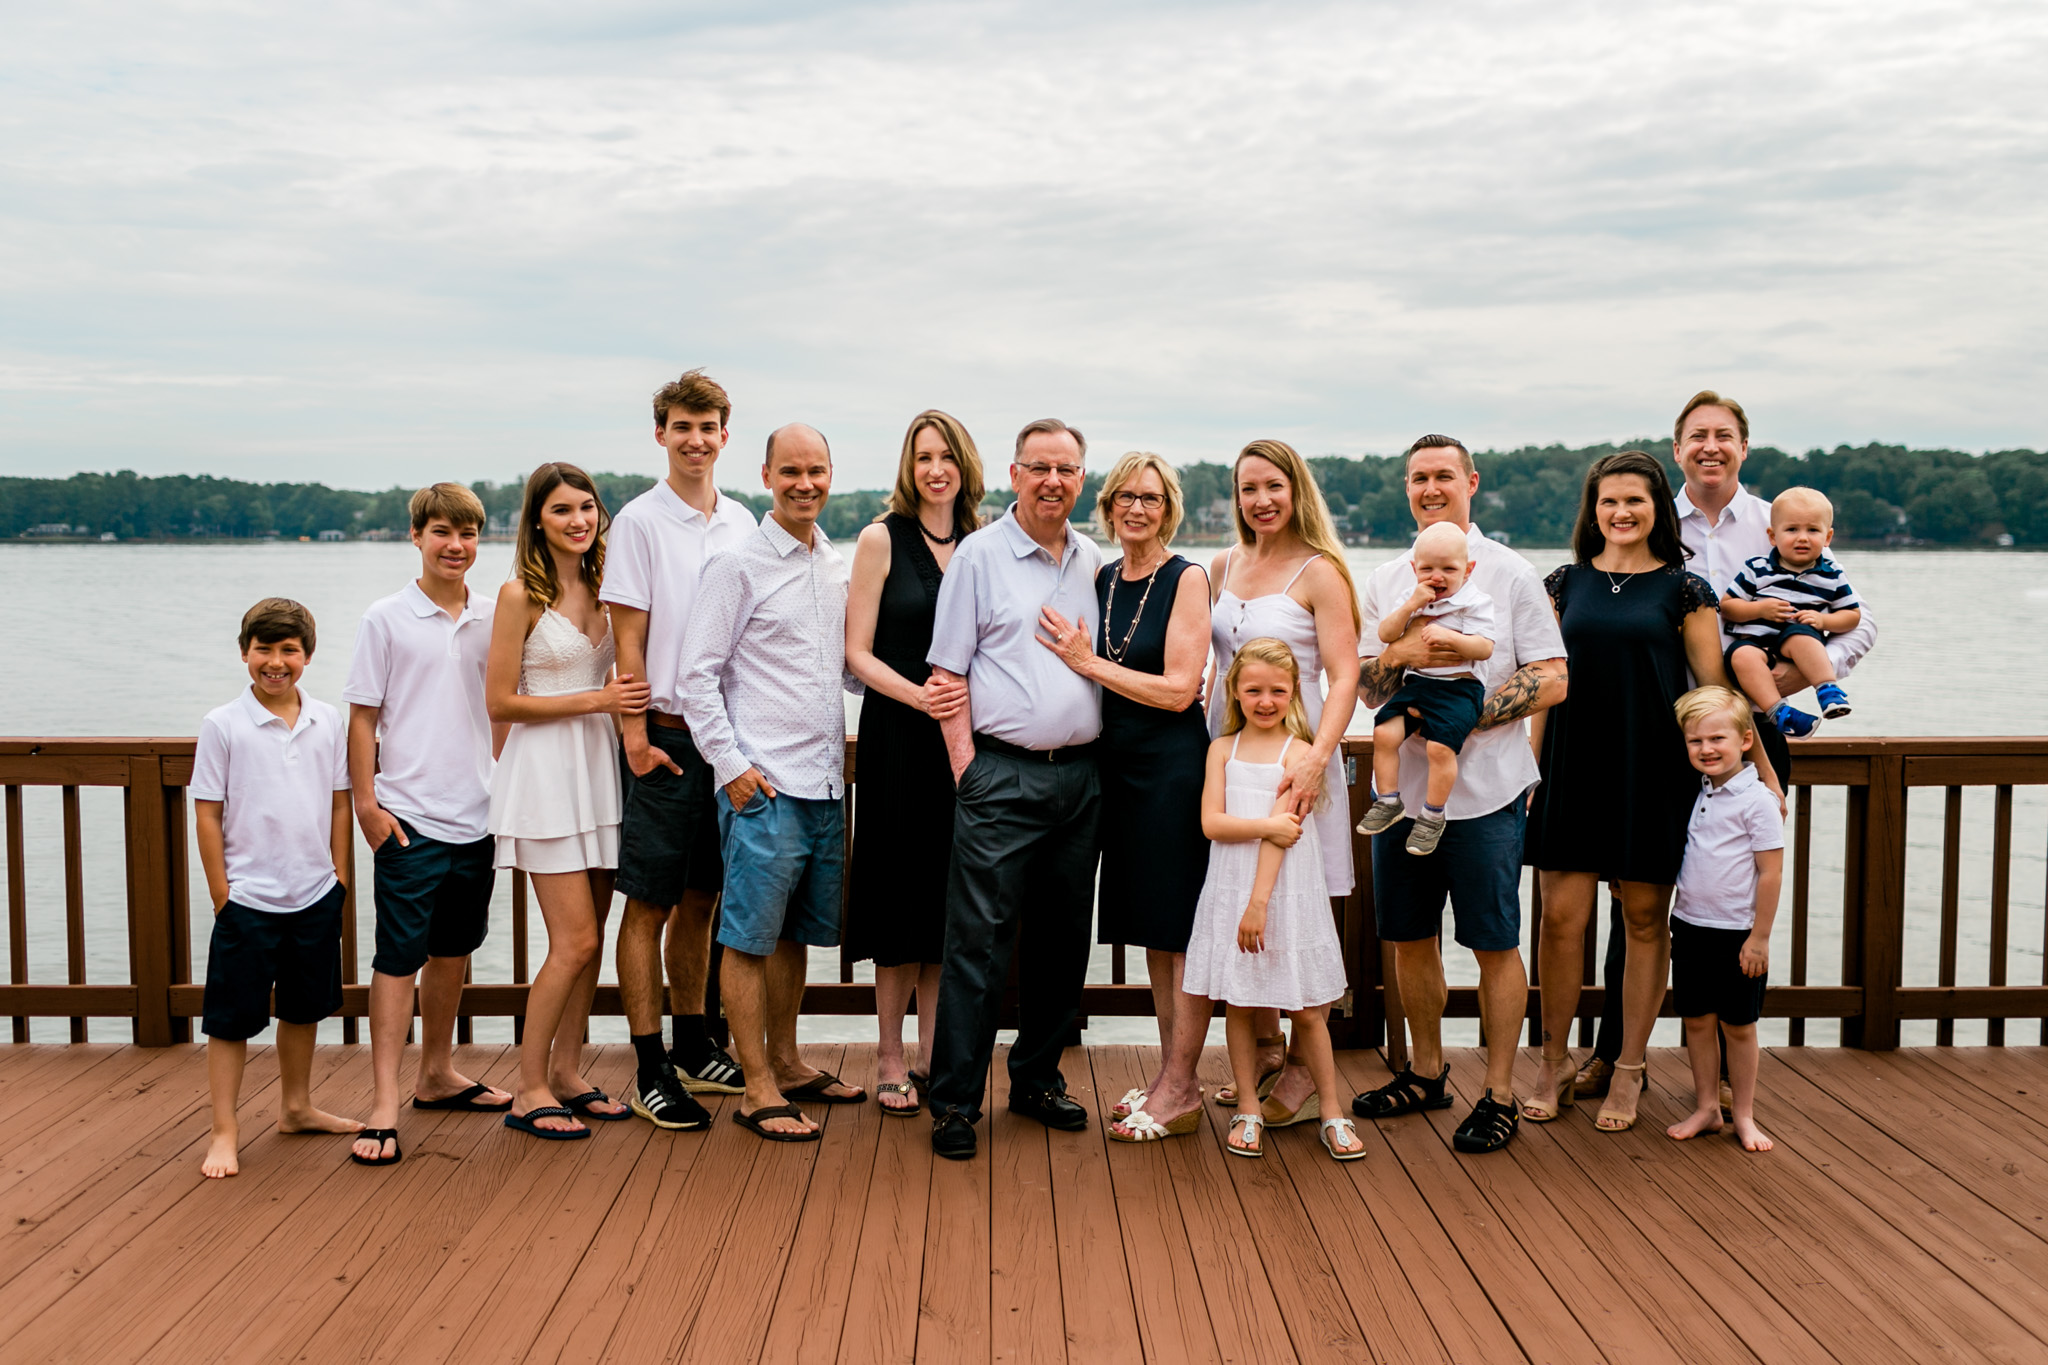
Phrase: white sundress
(555, 794)
(1301, 964)
(1232, 622)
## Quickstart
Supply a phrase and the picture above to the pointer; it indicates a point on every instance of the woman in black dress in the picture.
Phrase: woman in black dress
(1617, 789)
(903, 823)
(1148, 657)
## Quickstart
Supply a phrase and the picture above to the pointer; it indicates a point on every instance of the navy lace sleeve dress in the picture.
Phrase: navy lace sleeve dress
(1617, 790)
(903, 794)
(1154, 854)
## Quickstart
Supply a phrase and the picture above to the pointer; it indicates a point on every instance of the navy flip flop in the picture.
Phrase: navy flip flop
(525, 1123)
(583, 1102)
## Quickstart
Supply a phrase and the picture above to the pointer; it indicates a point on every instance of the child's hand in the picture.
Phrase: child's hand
(1421, 597)
(1756, 956)
(1775, 609)
(1808, 618)
(1283, 831)
(1439, 637)
(1251, 930)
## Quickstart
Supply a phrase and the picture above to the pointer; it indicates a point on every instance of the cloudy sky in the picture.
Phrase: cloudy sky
(371, 244)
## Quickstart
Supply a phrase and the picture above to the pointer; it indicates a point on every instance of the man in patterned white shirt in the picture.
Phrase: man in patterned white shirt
(764, 664)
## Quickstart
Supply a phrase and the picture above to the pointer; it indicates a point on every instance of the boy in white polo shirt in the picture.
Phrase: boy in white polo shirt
(420, 758)
(270, 793)
(1726, 903)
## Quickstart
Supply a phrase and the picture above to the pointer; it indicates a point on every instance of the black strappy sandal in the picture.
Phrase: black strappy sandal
(1489, 1127)
(1407, 1093)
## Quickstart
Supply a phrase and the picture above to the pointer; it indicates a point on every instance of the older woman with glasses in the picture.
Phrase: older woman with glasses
(1148, 657)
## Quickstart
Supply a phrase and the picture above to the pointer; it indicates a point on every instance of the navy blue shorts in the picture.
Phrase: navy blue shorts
(784, 863)
(1773, 645)
(1706, 974)
(668, 831)
(1478, 865)
(433, 900)
(1449, 707)
(253, 952)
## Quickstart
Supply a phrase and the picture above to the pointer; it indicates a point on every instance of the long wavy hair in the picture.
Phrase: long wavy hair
(531, 558)
(1310, 519)
(1664, 542)
(1267, 650)
(905, 499)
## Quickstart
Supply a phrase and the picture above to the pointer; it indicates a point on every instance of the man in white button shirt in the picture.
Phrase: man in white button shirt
(1024, 822)
(764, 664)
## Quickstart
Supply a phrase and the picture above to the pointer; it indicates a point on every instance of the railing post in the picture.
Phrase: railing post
(1357, 929)
(1874, 903)
(149, 900)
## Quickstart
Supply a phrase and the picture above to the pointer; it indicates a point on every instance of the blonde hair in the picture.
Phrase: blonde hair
(904, 499)
(531, 562)
(451, 502)
(1703, 702)
(1310, 520)
(1267, 650)
(1800, 498)
(1126, 470)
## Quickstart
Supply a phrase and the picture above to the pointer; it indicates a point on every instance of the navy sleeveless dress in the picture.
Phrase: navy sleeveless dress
(1154, 854)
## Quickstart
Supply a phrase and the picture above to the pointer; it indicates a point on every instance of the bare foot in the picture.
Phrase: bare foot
(1754, 1139)
(316, 1121)
(1699, 1121)
(221, 1160)
(373, 1149)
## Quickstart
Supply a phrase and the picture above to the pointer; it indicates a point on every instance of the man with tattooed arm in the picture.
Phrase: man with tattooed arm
(1478, 865)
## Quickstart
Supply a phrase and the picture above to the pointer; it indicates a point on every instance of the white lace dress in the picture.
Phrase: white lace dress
(555, 793)
(1301, 964)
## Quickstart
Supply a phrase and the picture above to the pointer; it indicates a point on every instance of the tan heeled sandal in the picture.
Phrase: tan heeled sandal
(1227, 1095)
(1613, 1120)
(1565, 1097)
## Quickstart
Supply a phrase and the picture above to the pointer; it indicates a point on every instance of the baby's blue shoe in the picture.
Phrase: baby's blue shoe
(1794, 724)
(1834, 702)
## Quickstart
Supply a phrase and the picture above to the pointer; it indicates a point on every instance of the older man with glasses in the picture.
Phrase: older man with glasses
(1024, 822)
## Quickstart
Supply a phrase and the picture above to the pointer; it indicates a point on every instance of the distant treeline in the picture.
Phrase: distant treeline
(1881, 493)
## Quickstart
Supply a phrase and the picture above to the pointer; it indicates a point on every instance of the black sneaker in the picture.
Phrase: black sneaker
(664, 1104)
(716, 1074)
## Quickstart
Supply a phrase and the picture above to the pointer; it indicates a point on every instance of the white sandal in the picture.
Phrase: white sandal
(1133, 1100)
(1350, 1131)
(1140, 1126)
(1254, 1127)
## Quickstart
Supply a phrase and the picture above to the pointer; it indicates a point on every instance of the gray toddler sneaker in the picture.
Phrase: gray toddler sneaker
(1382, 815)
(1423, 836)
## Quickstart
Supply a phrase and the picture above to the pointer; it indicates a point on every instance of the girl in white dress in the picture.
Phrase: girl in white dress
(1264, 938)
(555, 791)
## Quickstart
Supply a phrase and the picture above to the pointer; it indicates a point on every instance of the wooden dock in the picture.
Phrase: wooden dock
(1903, 1217)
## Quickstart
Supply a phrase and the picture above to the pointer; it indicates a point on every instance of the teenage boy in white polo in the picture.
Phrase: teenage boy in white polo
(420, 764)
(669, 862)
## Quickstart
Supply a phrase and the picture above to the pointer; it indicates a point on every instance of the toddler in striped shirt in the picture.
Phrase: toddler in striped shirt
(1785, 605)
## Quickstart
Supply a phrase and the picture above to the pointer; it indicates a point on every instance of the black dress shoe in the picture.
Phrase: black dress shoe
(953, 1136)
(1051, 1108)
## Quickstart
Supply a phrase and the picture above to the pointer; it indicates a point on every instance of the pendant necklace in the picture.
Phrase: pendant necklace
(1110, 647)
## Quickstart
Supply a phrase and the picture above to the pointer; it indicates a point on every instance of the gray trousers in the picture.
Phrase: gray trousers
(1023, 858)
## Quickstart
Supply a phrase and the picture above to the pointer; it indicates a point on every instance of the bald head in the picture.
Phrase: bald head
(810, 440)
(1441, 539)
(797, 472)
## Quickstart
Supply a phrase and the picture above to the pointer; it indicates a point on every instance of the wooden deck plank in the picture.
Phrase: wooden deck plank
(96, 1115)
(953, 1300)
(1095, 1280)
(888, 1269)
(1168, 1308)
(2016, 1077)
(42, 1084)
(1025, 1310)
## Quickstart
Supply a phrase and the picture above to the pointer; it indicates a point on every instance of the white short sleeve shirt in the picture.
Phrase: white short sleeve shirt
(1730, 825)
(653, 557)
(1495, 766)
(276, 786)
(424, 671)
(1467, 611)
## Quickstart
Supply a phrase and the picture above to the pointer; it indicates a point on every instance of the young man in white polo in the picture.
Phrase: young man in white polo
(420, 767)
(669, 862)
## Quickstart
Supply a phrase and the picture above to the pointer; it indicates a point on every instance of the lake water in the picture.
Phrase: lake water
(140, 640)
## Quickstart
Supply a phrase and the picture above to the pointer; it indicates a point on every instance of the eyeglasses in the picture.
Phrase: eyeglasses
(1040, 471)
(1151, 502)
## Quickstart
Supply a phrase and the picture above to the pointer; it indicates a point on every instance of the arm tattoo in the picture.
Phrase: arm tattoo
(1516, 698)
(1377, 681)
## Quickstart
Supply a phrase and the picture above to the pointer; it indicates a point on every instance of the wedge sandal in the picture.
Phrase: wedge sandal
(1227, 1096)
(1139, 1126)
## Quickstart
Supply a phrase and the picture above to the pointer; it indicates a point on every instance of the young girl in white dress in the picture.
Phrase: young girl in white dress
(555, 792)
(1263, 936)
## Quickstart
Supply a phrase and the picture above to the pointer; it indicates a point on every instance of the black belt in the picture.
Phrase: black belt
(1072, 753)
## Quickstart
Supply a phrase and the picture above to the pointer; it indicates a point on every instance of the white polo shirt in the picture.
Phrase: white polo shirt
(653, 556)
(276, 785)
(1730, 825)
(1495, 766)
(1467, 611)
(424, 670)
(1743, 532)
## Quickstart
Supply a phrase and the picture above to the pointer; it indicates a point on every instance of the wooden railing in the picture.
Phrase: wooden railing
(1871, 998)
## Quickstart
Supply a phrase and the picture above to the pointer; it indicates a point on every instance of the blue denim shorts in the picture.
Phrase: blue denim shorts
(1478, 866)
(784, 861)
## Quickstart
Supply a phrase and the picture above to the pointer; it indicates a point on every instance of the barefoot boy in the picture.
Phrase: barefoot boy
(1449, 611)
(1785, 605)
(270, 787)
(1721, 918)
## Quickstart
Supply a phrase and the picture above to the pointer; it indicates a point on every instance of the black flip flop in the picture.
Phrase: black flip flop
(752, 1123)
(814, 1089)
(583, 1102)
(464, 1102)
(380, 1136)
(525, 1123)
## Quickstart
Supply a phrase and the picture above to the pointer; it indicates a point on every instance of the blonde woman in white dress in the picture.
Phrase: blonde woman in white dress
(555, 794)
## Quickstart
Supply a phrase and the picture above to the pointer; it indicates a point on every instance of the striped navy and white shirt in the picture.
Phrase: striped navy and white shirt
(1819, 587)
